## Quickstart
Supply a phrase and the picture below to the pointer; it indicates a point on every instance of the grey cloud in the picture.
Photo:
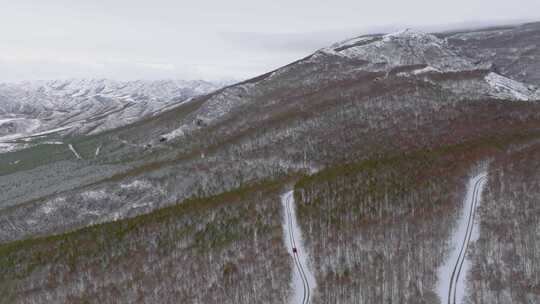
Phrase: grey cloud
(208, 39)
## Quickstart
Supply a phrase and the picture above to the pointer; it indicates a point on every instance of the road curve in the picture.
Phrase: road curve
(302, 294)
(471, 213)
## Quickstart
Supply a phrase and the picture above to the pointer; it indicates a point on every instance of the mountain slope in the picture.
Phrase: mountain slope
(514, 50)
(319, 111)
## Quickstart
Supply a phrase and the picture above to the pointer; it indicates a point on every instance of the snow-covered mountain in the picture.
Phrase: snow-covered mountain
(410, 58)
(414, 53)
(379, 137)
(404, 48)
(85, 106)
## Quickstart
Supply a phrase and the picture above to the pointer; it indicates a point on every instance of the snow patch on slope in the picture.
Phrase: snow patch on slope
(506, 88)
(428, 69)
(137, 184)
(179, 132)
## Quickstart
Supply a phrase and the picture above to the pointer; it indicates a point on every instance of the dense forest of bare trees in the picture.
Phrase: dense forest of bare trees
(506, 257)
(377, 230)
(222, 249)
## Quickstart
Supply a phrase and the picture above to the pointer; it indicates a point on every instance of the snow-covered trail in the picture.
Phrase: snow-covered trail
(74, 151)
(303, 281)
(98, 149)
(451, 284)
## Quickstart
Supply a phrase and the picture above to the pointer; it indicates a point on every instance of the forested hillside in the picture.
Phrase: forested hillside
(221, 249)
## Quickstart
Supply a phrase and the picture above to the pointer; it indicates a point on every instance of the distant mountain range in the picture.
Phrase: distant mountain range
(85, 106)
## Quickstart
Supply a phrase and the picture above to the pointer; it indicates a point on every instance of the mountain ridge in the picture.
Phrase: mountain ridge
(404, 54)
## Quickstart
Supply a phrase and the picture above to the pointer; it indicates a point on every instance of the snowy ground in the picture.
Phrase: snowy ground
(452, 274)
(303, 282)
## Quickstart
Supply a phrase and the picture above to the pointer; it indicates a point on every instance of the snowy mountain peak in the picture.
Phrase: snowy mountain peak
(412, 34)
(404, 48)
(410, 37)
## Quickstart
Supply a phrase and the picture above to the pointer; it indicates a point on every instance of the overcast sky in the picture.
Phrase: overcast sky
(203, 39)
